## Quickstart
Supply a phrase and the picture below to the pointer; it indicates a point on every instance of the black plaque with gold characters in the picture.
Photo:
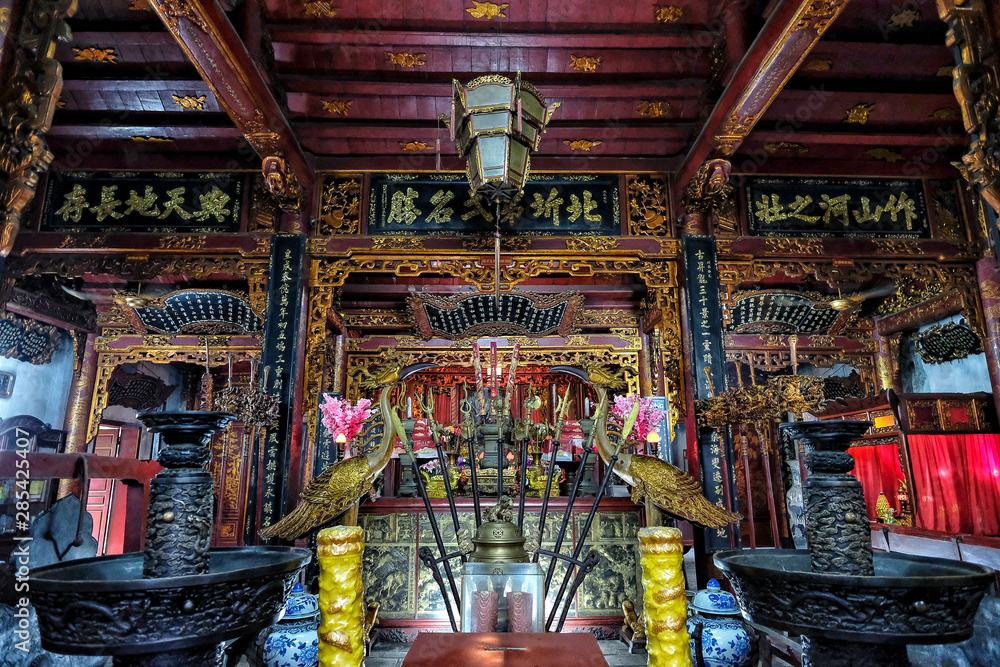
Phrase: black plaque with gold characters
(440, 204)
(715, 451)
(143, 202)
(836, 207)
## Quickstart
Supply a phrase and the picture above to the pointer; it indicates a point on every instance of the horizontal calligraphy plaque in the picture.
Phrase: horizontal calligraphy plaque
(836, 207)
(440, 204)
(142, 202)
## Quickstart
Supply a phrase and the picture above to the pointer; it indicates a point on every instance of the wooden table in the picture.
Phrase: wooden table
(505, 649)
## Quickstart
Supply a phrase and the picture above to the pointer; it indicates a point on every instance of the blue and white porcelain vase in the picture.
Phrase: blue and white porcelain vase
(715, 623)
(293, 641)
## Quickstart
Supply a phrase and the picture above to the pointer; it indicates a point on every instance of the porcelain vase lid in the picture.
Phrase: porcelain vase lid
(713, 600)
(300, 604)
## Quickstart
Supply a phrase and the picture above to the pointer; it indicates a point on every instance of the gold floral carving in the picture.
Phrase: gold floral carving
(96, 55)
(648, 207)
(173, 11)
(189, 102)
(584, 63)
(946, 70)
(340, 206)
(654, 109)
(139, 5)
(134, 266)
(904, 18)
(98, 241)
(151, 139)
(947, 113)
(793, 246)
(667, 13)
(898, 247)
(487, 10)
(320, 301)
(406, 59)
(884, 154)
(819, 65)
(785, 147)
(858, 114)
(320, 9)
(182, 242)
(592, 243)
(507, 244)
(414, 146)
(581, 144)
(398, 243)
(342, 107)
(375, 319)
(609, 318)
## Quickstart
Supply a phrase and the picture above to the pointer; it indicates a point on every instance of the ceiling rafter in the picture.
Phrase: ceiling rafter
(211, 43)
(791, 31)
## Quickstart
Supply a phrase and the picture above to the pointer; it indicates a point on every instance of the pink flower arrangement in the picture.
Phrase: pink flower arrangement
(649, 418)
(339, 416)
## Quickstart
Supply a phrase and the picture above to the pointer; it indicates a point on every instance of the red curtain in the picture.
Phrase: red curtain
(958, 482)
(878, 468)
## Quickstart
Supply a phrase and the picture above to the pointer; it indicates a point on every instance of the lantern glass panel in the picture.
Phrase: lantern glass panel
(517, 584)
(489, 95)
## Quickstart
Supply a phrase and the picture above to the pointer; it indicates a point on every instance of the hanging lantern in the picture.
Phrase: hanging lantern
(497, 123)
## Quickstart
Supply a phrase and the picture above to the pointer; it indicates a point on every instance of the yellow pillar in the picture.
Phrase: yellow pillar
(341, 638)
(662, 560)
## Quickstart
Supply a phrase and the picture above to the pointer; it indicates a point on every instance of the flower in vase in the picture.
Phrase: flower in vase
(649, 418)
(339, 416)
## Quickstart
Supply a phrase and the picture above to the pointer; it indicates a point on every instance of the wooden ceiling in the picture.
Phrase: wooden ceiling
(642, 106)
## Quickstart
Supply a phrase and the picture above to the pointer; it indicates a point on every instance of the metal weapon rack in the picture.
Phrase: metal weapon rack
(574, 561)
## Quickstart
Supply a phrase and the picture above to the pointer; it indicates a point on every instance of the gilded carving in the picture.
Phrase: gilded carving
(793, 246)
(96, 55)
(947, 113)
(173, 11)
(414, 146)
(342, 107)
(281, 181)
(648, 207)
(884, 154)
(410, 60)
(667, 13)
(320, 9)
(340, 206)
(585, 63)
(376, 318)
(654, 109)
(592, 243)
(398, 243)
(182, 242)
(775, 148)
(151, 138)
(904, 18)
(189, 102)
(819, 65)
(487, 10)
(858, 114)
(507, 244)
(581, 144)
(80, 241)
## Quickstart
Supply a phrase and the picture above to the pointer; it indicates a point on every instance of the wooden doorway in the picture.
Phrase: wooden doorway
(106, 499)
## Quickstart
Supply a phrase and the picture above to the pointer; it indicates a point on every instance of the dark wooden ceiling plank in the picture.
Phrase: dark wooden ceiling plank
(790, 33)
(303, 34)
(213, 46)
(611, 164)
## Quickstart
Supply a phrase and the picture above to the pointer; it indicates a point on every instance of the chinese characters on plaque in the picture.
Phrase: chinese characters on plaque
(440, 204)
(284, 301)
(701, 273)
(132, 201)
(836, 207)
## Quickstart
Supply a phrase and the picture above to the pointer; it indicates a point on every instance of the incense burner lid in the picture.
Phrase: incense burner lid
(499, 542)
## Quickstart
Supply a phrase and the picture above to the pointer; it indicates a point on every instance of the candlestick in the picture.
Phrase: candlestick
(409, 407)
(477, 364)
(586, 407)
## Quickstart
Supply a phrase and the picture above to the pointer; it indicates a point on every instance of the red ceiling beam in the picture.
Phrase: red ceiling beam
(539, 163)
(862, 139)
(659, 40)
(211, 43)
(791, 31)
(667, 89)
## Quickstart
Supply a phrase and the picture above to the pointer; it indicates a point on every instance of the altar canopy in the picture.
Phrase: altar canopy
(958, 482)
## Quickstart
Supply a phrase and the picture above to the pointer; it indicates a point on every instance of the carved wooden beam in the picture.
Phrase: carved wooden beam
(26, 106)
(974, 36)
(212, 45)
(792, 30)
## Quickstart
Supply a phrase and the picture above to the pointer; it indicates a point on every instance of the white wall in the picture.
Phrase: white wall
(40, 391)
(962, 376)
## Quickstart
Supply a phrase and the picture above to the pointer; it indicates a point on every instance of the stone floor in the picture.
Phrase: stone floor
(391, 655)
